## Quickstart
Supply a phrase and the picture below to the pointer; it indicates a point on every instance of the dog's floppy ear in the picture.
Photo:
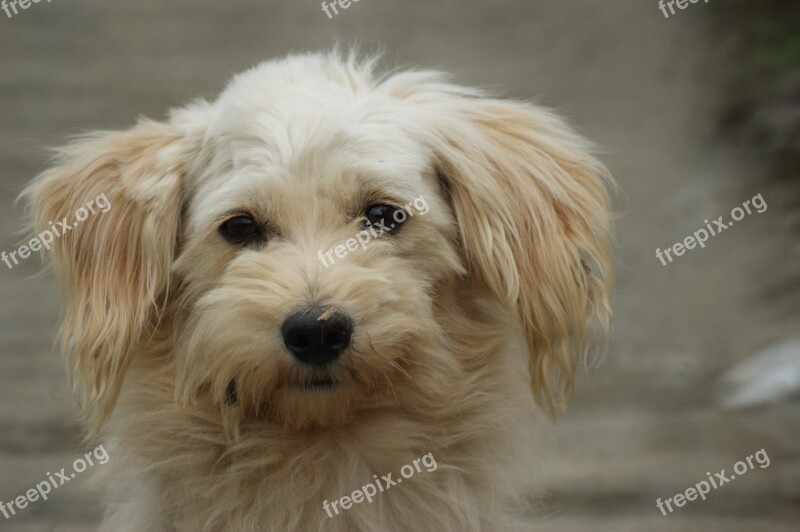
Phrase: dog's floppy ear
(533, 212)
(114, 267)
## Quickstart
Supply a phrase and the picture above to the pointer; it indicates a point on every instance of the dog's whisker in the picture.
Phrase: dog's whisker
(398, 367)
(391, 387)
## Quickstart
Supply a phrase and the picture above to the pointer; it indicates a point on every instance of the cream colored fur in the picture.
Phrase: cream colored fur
(456, 318)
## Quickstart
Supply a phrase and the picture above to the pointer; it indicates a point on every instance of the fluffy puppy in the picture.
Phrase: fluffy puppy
(243, 376)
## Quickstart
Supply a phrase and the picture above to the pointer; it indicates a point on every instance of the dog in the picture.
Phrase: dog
(240, 384)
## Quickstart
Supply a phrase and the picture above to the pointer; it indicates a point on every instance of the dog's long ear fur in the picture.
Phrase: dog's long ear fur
(534, 218)
(113, 268)
(533, 212)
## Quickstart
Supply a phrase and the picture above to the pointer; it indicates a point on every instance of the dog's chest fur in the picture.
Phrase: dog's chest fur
(186, 464)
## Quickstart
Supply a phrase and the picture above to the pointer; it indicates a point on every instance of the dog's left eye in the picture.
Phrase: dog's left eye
(240, 230)
(385, 217)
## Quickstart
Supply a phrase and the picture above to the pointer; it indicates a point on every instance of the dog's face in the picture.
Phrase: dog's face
(298, 249)
(309, 298)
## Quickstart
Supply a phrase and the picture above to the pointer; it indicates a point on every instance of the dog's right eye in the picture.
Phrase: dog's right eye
(240, 230)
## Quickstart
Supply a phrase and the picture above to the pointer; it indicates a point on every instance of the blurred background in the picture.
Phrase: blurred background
(694, 114)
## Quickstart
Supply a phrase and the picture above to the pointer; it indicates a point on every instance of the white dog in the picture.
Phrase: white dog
(239, 384)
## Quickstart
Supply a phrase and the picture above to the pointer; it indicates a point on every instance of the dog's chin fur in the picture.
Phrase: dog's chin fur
(173, 334)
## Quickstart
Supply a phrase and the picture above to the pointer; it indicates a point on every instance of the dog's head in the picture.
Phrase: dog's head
(294, 248)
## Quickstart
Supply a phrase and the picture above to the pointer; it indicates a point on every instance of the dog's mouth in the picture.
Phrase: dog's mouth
(323, 384)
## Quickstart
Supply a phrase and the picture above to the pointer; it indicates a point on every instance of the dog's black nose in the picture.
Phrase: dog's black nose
(317, 336)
